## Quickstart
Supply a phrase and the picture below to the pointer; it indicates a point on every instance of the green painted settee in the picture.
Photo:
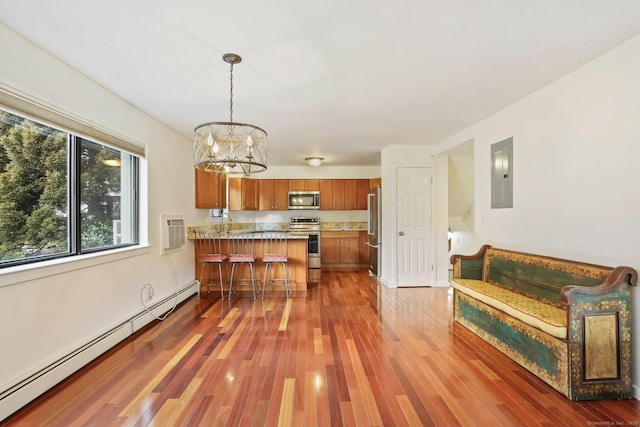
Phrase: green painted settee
(567, 322)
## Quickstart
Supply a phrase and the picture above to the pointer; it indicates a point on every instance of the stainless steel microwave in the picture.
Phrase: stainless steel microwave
(304, 200)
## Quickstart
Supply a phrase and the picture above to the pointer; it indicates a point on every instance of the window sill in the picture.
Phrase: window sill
(24, 273)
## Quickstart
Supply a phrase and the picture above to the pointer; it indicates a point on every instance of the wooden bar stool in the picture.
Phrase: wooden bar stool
(241, 252)
(275, 251)
(209, 252)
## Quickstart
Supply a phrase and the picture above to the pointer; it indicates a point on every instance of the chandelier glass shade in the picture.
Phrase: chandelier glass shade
(223, 146)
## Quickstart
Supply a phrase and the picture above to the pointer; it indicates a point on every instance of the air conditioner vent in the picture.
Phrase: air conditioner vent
(173, 233)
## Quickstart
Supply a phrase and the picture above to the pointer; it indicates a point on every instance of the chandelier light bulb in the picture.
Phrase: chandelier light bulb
(216, 148)
(249, 141)
(210, 139)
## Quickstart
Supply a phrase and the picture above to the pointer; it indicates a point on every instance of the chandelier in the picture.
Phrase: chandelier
(221, 146)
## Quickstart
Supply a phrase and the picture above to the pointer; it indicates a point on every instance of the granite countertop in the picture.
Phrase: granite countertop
(343, 226)
(278, 226)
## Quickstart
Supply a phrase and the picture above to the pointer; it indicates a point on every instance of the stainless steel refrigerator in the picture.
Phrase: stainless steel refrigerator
(374, 206)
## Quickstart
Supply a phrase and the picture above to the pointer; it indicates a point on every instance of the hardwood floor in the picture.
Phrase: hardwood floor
(350, 353)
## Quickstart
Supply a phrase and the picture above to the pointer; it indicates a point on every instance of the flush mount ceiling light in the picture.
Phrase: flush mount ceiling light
(221, 146)
(314, 161)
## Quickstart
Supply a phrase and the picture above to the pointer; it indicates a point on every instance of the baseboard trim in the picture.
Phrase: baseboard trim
(19, 394)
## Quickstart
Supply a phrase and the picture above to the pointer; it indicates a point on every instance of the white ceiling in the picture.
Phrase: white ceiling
(340, 79)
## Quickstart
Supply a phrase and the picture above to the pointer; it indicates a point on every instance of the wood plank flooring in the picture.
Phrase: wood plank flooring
(351, 353)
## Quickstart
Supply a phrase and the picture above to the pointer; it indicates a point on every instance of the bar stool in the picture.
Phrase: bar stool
(242, 252)
(275, 251)
(209, 252)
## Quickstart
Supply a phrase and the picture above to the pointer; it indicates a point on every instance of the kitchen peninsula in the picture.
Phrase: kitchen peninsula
(297, 248)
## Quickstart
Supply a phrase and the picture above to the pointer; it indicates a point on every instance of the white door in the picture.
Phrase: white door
(414, 227)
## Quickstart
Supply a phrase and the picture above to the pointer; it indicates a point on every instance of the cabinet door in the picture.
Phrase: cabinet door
(243, 194)
(350, 250)
(338, 194)
(211, 190)
(330, 250)
(326, 194)
(281, 194)
(250, 194)
(235, 194)
(296, 184)
(266, 198)
(364, 249)
(363, 194)
(351, 194)
(312, 185)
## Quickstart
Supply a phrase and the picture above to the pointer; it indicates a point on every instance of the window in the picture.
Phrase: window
(61, 194)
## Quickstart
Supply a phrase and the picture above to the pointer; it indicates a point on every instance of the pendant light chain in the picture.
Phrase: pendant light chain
(231, 95)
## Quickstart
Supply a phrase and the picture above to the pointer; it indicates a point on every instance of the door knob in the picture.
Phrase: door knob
(401, 233)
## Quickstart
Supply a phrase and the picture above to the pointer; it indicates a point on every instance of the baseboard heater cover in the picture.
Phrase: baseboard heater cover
(29, 388)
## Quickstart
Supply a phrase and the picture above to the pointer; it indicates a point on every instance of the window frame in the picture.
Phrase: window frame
(75, 135)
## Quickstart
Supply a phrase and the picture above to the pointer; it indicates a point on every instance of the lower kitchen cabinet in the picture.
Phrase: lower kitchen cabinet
(364, 248)
(340, 248)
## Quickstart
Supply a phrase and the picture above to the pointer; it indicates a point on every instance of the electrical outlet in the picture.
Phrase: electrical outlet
(147, 292)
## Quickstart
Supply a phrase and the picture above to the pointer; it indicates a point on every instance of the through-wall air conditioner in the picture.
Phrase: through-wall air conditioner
(173, 233)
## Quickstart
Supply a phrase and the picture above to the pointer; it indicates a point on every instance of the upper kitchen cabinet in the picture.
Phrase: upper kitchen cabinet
(211, 190)
(311, 185)
(243, 194)
(356, 193)
(332, 194)
(304, 185)
(273, 194)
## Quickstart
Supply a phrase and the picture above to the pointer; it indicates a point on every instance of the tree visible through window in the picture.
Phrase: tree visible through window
(40, 169)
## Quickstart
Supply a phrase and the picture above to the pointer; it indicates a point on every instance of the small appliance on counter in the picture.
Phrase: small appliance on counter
(374, 207)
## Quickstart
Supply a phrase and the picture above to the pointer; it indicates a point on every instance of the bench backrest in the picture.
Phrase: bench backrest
(538, 276)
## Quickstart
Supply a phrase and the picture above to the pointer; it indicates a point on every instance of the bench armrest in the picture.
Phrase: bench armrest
(469, 266)
(619, 276)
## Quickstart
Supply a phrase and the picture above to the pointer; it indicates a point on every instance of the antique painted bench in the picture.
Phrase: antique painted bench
(567, 322)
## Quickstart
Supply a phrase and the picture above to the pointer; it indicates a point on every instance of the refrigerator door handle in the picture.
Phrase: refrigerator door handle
(370, 224)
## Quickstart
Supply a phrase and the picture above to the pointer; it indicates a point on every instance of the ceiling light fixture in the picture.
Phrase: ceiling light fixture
(221, 146)
(314, 161)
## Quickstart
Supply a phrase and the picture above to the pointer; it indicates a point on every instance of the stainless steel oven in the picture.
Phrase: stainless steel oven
(311, 228)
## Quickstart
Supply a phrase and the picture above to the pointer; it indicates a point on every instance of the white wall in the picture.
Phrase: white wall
(576, 153)
(461, 199)
(48, 311)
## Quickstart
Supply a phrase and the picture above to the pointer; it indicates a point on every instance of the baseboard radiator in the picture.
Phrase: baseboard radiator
(29, 388)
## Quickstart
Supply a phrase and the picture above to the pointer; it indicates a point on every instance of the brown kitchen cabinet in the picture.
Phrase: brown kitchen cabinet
(332, 194)
(211, 190)
(296, 184)
(312, 185)
(340, 248)
(304, 185)
(273, 194)
(363, 247)
(356, 192)
(243, 194)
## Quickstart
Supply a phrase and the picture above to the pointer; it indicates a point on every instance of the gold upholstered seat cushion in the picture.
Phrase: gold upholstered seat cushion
(545, 317)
